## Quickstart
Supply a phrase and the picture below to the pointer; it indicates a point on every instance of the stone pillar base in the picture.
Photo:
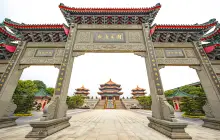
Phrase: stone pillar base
(211, 123)
(42, 129)
(7, 121)
(173, 130)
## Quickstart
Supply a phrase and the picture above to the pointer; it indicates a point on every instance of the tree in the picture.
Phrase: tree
(75, 101)
(24, 96)
(50, 91)
(145, 101)
(169, 92)
(191, 106)
(40, 84)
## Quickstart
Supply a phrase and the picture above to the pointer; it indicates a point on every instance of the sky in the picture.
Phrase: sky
(93, 69)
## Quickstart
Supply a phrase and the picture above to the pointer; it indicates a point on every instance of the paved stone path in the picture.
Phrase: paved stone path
(37, 115)
(108, 125)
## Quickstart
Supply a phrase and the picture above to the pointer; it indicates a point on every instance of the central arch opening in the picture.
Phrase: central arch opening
(93, 70)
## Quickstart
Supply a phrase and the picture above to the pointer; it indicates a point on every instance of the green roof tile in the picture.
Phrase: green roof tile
(179, 93)
(41, 93)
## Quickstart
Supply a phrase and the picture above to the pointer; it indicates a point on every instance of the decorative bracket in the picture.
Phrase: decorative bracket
(76, 54)
(57, 66)
(198, 68)
(142, 54)
(161, 66)
(21, 67)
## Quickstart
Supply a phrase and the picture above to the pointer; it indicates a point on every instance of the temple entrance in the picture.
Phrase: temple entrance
(110, 31)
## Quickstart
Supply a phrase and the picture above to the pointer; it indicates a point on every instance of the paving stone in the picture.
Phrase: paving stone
(109, 125)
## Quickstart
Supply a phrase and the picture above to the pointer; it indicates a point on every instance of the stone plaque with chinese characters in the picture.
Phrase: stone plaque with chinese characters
(109, 37)
(174, 53)
(44, 53)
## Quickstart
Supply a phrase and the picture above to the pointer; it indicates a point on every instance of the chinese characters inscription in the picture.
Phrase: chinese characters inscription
(109, 37)
(44, 53)
(170, 53)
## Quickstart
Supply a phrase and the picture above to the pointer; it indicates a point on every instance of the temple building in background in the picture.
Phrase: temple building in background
(82, 91)
(176, 98)
(110, 91)
(42, 97)
(138, 92)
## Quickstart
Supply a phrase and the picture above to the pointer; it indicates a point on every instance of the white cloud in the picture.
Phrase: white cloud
(125, 69)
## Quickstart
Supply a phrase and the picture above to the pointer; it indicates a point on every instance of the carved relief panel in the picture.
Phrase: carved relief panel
(83, 37)
(42, 56)
(135, 37)
(190, 53)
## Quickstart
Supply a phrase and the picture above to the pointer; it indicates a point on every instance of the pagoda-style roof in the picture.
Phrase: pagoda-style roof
(179, 94)
(109, 15)
(110, 92)
(212, 36)
(41, 93)
(110, 87)
(180, 33)
(82, 90)
(138, 89)
(212, 46)
(5, 35)
(39, 32)
(110, 83)
(6, 46)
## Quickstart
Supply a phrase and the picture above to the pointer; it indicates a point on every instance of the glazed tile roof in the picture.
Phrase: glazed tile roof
(138, 89)
(6, 46)
(158, 32)
(6, 35)
(82, 89)
(110, 92)
(180, 33)
(213, 34)
(179, 94)
(109, 10)
(110, 87)
(41, 93)
(39, 32)
(109, 15)
(22, 26)
(212, 43)
(110, 83)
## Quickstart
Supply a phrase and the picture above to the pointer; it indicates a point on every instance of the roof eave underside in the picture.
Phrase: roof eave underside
(114, 12)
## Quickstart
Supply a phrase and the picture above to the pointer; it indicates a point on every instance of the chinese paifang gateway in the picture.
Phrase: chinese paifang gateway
(120, 16)
(109, 30)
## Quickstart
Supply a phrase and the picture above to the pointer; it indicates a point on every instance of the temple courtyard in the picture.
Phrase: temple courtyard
(111, 125)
